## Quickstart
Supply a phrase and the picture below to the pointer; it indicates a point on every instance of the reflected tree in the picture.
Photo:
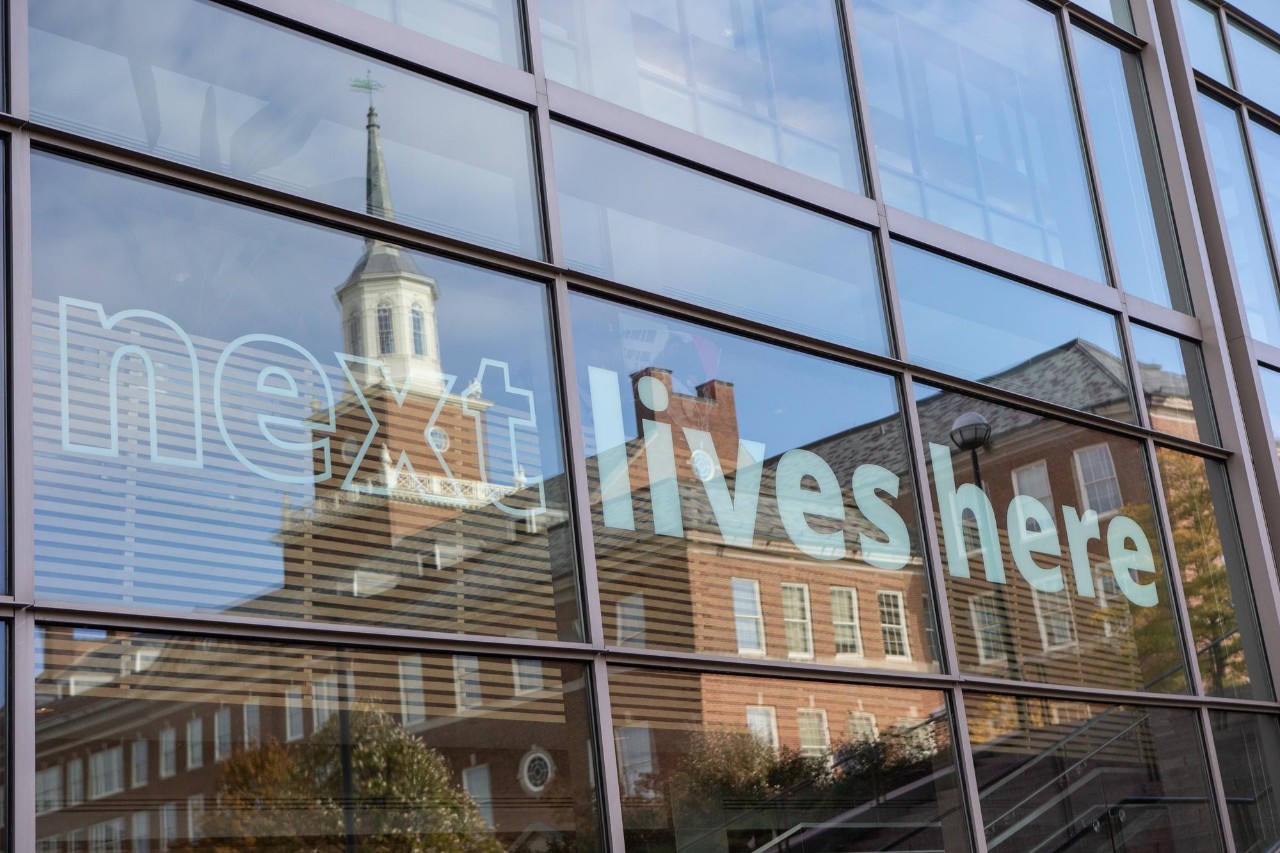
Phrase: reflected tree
(290, 799)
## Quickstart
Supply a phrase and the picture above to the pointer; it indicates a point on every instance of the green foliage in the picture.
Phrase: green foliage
(291, 800)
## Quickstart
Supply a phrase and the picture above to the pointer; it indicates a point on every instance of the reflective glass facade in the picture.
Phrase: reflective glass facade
(639, 425)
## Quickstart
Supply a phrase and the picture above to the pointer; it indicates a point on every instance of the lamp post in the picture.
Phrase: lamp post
(969, 432)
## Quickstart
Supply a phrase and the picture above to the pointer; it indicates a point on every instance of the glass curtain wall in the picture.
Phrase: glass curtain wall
(657, 425)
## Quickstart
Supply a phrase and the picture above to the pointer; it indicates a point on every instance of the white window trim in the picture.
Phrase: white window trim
(195, 745)
(1044, 632)
(807, 621)
(463, 704)
(864, 715)
(624, 609)
(1083, 490)
(983, 657)
(171, 734)
(902, 609)
(292, 706)
(250, 738)
(856, 623)
(1047, 500)
(413, 696)
(137, 780)
(774, 742)
(821, 714)
(759, 618)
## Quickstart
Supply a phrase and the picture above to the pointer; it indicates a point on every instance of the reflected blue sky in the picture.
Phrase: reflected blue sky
(490, 29)
(764, 76)
(645, 222)
(214, 88)
(784, 399)
(1257, 65)
(974, 126)
(977, 325)
(1240, 208)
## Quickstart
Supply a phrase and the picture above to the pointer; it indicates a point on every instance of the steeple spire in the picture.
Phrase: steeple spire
(377, 190)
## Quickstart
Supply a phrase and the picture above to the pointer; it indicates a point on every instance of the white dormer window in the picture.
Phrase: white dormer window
(419, 322)
(386, 332)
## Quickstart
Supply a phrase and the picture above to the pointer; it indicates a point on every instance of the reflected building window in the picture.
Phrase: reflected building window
(252, 723)
(413, 698)
(1055, 618)
(990, 629)
(636, 762)
(106, 772)
(862, 727)
(475, 781)
(386, 331)
(466, 682)
(815, 737)
(355, 333)
(293, 715)
(631, 624)
(419, 327)
(748, 619)
(1099, 486)
(844, 620)
(195, 743)
(893, 625)
(221, 733)
(48, 790)
(138, 768)
(797, 620)
(762, 722)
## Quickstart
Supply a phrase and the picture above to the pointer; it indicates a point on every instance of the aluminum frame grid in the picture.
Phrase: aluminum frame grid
(1188, 173)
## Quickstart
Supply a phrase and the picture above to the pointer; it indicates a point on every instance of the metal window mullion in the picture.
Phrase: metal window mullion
(589, 583)
(861, 110)
(609, 783)
(968, 771)
(1182, 613)
(22, 722)
(1224, 37)
(21, 438)
(17, 80)
(1216, 786)
(1101, 222)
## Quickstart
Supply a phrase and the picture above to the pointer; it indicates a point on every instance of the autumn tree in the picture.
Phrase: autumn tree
(291, 799)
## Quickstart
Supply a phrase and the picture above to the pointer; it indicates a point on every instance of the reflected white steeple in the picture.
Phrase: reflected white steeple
(388, 305)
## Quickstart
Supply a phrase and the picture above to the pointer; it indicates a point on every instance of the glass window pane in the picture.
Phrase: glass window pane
(1215, 579)
(1204, 40)
(722, 763)
(975, 324)
(1174, 385)
(1068, 775)
(1115, 11)
(1130, 172)
(402, 785)
(296, 480)
(1074, 591)
(649, 223)
(285, 111)
(1264, 10)
(489, 27)
(1239, 201)
(1271, 390)
(722, 469)
(767, 77)
(1248, 747)
(974, 125)
(1257, 65)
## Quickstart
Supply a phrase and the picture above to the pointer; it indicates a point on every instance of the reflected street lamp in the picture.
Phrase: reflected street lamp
(969, 432)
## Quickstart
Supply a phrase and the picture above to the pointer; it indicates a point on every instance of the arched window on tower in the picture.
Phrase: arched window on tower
(419, 331)
(355, 334)
(386, 334)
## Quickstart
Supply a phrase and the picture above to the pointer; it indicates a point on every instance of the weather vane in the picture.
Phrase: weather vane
(366, 84)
